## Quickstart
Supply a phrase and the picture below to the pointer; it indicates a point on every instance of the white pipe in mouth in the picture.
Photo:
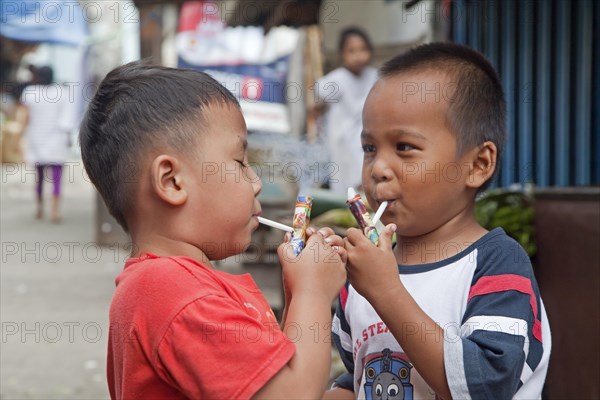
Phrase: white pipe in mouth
(379, 212)
(275, 224)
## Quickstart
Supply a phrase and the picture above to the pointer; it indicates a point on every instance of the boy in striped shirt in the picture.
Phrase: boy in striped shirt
(452, 310)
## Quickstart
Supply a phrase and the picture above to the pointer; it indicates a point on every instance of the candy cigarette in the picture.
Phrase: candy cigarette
(360, 213)
(379, 212)
(274, 224)
(300, 223)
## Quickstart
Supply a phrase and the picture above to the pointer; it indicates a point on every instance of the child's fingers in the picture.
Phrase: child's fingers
(355, 236)
(347, 245)
(342, 253)
(285, 251)
(287, 237)
(315, 238)
(330, 237)
(385, 239)
(334, 240)
(326, 232)
(310, 231)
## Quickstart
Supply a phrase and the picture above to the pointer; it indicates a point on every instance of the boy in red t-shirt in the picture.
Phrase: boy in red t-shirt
(166, 149)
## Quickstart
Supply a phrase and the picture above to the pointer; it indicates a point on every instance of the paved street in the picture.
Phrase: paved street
(56, 285)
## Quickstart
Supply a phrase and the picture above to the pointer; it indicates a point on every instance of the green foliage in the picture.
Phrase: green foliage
(338, 219)
(510, 210)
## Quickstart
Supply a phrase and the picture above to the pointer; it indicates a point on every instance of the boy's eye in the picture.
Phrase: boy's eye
(404, 147)
(242, 163)
(368, 148)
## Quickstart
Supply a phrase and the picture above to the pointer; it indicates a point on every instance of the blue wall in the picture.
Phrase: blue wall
(547, 54)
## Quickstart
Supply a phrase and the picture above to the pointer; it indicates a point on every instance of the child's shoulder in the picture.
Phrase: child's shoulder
(499, 254)
(167, 277)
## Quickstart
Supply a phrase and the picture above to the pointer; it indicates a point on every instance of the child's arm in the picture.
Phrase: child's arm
(313, 280)
(331, 239)
(373, 272)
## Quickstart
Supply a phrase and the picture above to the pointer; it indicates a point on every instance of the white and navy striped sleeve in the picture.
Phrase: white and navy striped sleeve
(500, 340)
(342, 337)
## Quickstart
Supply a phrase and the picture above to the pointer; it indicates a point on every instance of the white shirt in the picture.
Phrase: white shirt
(50, 120)
(345, 95)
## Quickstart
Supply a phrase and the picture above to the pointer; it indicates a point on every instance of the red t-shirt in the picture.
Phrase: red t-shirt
(179, 329)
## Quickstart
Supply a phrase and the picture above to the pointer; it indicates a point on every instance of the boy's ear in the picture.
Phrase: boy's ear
(166, 180)
(483, 164)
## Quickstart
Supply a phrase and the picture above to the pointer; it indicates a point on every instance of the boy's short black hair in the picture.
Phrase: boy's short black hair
(140, 107)
(477, 108)
(354, 31)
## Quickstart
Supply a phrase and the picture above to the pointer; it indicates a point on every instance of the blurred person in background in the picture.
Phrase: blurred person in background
(341, 94)
(43, 113)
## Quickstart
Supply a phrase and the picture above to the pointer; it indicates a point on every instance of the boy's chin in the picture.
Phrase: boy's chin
(245, 247)
(229, 250)
(240, 247)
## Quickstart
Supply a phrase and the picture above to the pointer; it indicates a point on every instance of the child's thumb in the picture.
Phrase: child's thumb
(285, 251)
(385, 239)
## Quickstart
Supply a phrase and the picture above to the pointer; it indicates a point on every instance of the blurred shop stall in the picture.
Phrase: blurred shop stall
(252, 64)
(303, 46)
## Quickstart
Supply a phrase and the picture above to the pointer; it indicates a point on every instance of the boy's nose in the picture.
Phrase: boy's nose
(255, 180)
(381, 170)
(257, 187)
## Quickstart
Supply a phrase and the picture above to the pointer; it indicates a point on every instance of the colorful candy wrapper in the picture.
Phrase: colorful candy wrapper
(360, 213)
(300, 223)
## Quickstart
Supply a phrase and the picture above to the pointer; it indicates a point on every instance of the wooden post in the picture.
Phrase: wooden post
(151, 31)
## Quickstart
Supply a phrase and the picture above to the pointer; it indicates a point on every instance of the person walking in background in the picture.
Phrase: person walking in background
(47, 125)
(341, 94)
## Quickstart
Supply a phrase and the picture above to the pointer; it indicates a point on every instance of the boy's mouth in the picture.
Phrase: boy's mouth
(381, 200)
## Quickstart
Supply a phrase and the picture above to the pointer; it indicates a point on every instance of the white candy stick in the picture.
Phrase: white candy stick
(275, 224)
(379, 212)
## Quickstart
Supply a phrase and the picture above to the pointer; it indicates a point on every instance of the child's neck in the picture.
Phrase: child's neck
(442, 243)
(164, 246)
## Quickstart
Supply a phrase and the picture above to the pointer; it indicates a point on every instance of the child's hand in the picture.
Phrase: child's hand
(372, 270)
(318, 269)
(335, 241)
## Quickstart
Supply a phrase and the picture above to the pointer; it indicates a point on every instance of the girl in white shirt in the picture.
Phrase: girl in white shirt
(343, 93)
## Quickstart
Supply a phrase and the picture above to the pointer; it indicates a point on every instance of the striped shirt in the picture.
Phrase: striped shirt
(496, 333)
